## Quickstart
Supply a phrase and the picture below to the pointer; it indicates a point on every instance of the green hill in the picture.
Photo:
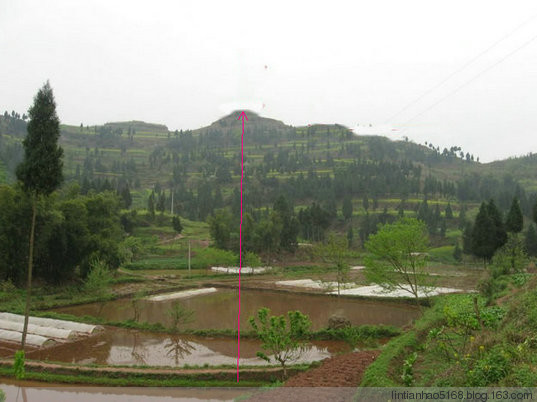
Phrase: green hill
(3, 173)
(320, 163)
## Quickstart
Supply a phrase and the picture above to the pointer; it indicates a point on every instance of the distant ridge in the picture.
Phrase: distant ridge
(138, 126)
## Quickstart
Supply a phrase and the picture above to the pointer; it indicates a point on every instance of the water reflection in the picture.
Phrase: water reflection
(27, 391)
(178, 348)
(130, 347)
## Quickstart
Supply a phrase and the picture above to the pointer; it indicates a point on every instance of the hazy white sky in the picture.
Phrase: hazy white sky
(186, 63)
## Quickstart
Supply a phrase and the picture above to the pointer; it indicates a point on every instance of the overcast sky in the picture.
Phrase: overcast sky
(187, 63)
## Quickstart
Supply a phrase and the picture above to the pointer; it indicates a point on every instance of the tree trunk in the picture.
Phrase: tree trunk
(416, 295)
(30, 266)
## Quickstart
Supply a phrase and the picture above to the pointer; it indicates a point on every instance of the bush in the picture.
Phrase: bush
(284, 339)
(408, 373)
(131, 248)
(251, 259)
(18, 365)
(98, 279)
(490, 369)
(180, 316)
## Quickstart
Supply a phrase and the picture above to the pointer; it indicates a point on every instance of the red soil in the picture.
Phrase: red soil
(335, 380)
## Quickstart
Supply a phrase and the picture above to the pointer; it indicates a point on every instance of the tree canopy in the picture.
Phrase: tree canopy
(398, 258)
(40, 172)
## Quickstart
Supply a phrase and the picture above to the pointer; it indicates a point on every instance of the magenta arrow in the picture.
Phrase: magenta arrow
(241, 116)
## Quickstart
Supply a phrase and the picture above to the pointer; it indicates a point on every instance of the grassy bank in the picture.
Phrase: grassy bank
(120, 379)
(462, 342)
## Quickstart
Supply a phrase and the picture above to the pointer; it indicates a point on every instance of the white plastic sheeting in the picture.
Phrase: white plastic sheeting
(378, 291)
(31, 339)
(48, 332)
(181, 295)
(49, 322)
(244, 270)
(311, 284)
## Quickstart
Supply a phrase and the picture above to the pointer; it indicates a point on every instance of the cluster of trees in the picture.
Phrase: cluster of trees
(71, 230)
(376, 178)
(271, 232)
(67, 230)
(490, 230)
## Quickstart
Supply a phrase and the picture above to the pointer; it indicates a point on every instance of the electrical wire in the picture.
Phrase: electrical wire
(475, 77)
(462, 68)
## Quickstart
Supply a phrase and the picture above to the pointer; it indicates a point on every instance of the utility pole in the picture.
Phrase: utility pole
(171, 207)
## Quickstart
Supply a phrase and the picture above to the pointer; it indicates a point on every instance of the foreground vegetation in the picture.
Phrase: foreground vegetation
(465, 340)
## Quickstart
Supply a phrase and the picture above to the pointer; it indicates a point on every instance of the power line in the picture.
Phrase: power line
(475, 77)
(460, 69)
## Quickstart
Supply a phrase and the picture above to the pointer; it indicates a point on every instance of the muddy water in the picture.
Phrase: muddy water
(116, 346)
(26, 391)
(219, 310)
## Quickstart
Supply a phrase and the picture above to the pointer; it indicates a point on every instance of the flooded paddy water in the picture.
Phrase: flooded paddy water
(216, 310)
(120, 346)
(219, 310)
(30, 391)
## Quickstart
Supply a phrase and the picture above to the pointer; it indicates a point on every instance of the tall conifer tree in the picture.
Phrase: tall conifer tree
(499, 232)
(40, 172)
(482, 234)
(514, 222)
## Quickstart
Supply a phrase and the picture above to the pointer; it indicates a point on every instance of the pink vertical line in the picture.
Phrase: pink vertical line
(240, 257)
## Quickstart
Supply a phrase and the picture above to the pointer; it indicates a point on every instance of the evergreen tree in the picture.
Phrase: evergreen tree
(457, 253)
(161, 203)
(449, 211)
(514, 221)
(462, 217)
(289, 224)
(350, 237)
(365, 202)
(531, 241)
(423, 211)
(176, 224)
(443, 228)
(467, 238)
(126, 197)
(40, 172)
(499, 232)
(347, 208)
(401, 209)
(483, 234)
(151, 205)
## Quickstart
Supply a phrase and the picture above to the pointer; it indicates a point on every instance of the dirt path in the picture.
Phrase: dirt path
(335, 380)
(338, 371)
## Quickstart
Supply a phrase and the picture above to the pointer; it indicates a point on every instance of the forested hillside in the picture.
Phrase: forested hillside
(326, 174)
(319, 162)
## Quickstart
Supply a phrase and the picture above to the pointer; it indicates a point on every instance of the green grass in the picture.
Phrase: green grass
(202, 258)
(111, 379)
(442, 254)
(384, 371)
(499, 351)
